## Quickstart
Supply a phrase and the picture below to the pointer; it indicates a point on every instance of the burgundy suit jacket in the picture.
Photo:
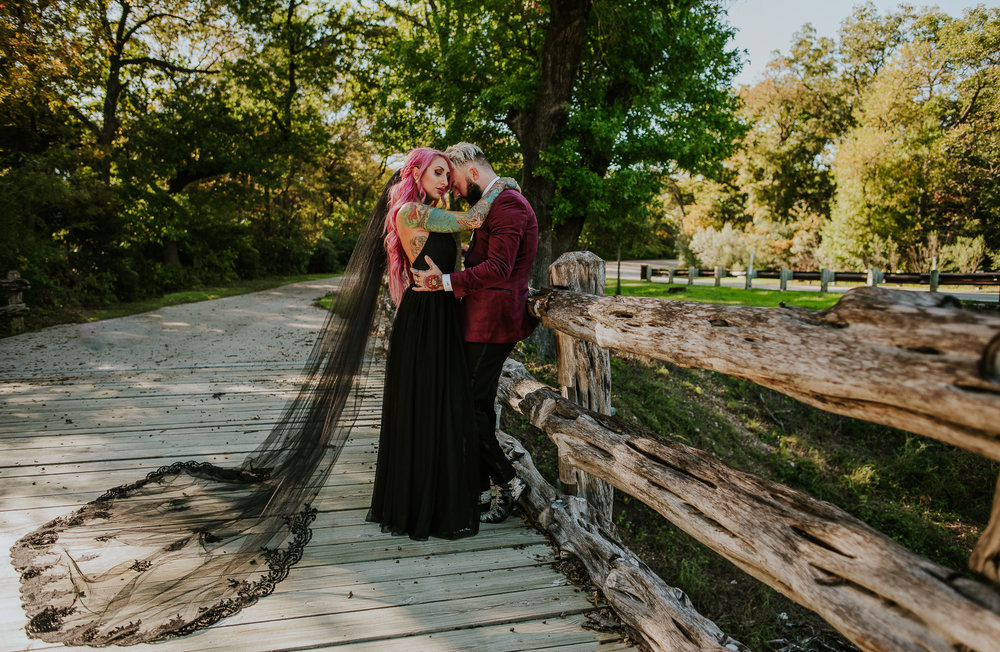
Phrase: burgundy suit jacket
(494, 284)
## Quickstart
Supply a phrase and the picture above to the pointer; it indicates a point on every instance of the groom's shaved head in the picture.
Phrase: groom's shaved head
(463, 153)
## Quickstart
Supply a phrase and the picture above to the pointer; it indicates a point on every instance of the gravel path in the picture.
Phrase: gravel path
(276, 325)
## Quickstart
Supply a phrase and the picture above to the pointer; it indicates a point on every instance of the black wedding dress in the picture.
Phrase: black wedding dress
(426, 479)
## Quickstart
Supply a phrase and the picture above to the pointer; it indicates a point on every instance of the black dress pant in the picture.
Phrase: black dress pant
(485, 366)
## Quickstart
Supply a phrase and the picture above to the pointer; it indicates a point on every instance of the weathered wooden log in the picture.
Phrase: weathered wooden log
(584, 372)
(878, 594)
(662, 615)
(985, 558)
(584, 377)
(912, 360)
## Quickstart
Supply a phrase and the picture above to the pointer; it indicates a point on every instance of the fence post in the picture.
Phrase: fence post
(692, 272)
(987, 550)
(15, 300)
(783, 279)
(935, 275)
(644, 272)
(718, 276)
(872, 277)
(824, 280)
(670, 272)
(584, 374)
(749, 280)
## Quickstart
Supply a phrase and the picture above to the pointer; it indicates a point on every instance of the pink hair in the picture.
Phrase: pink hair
(404, 191)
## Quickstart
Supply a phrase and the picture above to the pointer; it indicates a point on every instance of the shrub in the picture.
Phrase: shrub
(726, 248)
(965, 255)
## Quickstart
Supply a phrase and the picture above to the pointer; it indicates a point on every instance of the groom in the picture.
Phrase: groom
(494, 292)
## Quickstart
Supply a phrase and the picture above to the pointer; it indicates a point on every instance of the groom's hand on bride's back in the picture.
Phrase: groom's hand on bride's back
(427, 280)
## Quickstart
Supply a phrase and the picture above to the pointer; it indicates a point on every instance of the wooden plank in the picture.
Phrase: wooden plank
(298, 630)
(338, 563)
(230, 450)
(562, 634)
(233, 438)
(314, 597)
(140, 466)
(119, 419)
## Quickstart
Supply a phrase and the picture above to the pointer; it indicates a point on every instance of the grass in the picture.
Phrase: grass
(726, 295)
(38, 318)
(930, 497)
(757, 296)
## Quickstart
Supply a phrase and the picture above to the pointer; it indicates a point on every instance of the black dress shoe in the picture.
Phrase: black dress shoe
(504, 501)
(485, 500)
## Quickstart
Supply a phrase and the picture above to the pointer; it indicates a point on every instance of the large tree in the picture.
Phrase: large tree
(593, 101)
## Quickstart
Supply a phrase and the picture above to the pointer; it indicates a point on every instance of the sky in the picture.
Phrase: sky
(767, 25)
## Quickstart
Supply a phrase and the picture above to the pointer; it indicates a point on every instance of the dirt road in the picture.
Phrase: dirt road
(276, 325)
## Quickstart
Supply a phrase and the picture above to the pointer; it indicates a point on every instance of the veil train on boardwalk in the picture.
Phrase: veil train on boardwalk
(193, 542)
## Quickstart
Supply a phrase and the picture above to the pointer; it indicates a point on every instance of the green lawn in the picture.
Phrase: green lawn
(726, 295)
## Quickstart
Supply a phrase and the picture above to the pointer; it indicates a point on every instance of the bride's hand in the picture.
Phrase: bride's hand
(508, 184)
(502, 183)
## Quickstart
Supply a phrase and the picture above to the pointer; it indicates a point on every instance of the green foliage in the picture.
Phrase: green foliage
(872, 150)
(202, 142)
(455, 70)
(724, 248)
(965, 255)
(913, 164)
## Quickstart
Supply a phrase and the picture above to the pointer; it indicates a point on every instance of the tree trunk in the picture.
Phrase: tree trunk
(109, 116)
(538, 126)
(171, 255)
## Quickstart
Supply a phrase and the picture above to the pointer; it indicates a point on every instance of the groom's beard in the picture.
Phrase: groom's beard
(473, 193)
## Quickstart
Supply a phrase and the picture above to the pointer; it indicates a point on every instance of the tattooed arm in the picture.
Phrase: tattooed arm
(423, 217)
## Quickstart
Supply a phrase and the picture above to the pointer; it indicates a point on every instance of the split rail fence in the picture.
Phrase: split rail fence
(912, 360)
(872, 277)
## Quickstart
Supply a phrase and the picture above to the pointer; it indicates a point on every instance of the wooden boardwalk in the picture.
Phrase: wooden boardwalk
(66, 437)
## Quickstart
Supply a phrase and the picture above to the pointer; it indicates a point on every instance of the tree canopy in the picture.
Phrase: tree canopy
(149, 145)
(877, 149)
(590, 103)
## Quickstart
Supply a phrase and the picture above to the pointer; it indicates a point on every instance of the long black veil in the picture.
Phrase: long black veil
(193, 542)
